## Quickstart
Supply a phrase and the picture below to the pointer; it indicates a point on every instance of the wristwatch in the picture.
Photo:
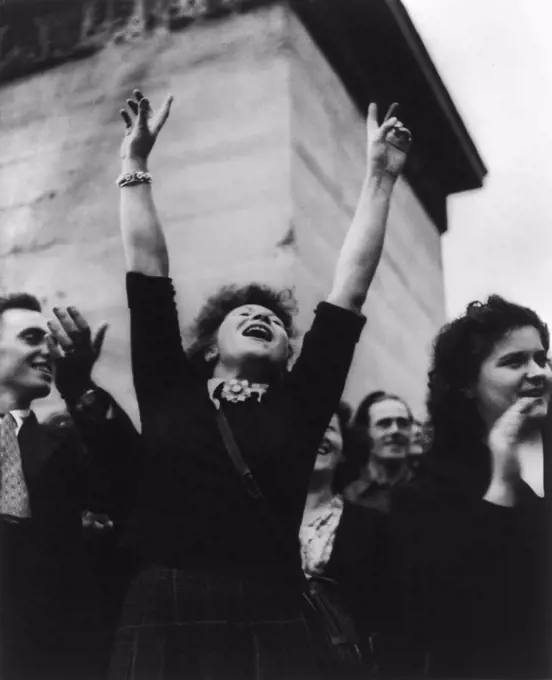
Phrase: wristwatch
(94, 403)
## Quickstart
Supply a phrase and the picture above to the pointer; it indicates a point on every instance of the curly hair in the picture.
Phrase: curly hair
(226, 299)
(460, 348)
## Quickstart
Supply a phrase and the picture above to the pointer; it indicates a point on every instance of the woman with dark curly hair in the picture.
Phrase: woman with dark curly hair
(216, 595)
(474, 533)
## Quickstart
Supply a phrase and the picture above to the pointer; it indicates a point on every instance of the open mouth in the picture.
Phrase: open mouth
(44, 368)
(535, 392)
(324, 449)
(258, 331)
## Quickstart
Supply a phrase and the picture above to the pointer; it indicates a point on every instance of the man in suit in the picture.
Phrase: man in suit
(50, 622)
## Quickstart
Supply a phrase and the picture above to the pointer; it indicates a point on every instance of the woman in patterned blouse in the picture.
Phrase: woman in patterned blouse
(344, 546)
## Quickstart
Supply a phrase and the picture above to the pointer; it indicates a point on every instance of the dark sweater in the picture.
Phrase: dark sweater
(193, 507)
(360, 563)
(475, 582)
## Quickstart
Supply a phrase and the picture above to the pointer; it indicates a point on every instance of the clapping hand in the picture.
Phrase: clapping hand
(388, 144)
(75, 350)
(504, 436)
(503, 442)
(141, 134)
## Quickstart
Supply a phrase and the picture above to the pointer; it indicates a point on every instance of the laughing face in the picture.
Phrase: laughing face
(517, 367)
(26, 366)
(331, 448)
(252, 335)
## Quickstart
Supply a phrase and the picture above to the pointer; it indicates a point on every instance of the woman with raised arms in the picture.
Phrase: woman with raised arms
(214, 595)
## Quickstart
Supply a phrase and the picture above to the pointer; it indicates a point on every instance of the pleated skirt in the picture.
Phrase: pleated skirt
(215, 624)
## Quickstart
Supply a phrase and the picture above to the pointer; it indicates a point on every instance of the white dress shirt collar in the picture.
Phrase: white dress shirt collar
(20, 415)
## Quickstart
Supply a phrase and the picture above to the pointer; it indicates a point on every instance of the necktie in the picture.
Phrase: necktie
(14, 496)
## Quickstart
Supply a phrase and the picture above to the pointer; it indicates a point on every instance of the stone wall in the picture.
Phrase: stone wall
(405, 306)
(256, 177)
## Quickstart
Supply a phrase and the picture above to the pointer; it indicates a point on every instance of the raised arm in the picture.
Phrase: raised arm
(158, 360)
(110, 459)
(387, 148)
(143, 238)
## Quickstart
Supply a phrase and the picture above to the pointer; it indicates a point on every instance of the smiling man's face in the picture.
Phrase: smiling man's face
(389, 429)
(26, 366)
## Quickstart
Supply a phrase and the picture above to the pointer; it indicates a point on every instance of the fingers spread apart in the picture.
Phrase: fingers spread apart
(141, 108)
(391, 111)
(71, 330)
(392, 129)
(53, 347)
(162, 114)
(126, 119)
(59, 338)
(133, 106)
(99, 337)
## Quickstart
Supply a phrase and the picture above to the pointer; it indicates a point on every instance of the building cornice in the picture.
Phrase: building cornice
(378, 54)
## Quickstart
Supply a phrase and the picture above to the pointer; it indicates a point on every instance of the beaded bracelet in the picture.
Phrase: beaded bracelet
(130, 178)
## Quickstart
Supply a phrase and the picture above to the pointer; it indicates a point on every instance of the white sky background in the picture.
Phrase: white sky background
(495, 58)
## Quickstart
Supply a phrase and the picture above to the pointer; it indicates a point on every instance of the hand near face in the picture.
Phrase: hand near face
(76, 350)
(504, 438)
(141, 135)
(388, 144)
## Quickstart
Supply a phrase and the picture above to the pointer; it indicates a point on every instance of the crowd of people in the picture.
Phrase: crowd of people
(257, 527)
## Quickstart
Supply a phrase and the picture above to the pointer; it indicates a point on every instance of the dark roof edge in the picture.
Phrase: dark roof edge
(354, 35)
(424, 61)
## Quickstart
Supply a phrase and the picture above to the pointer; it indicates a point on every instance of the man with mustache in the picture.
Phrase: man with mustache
(384, 423)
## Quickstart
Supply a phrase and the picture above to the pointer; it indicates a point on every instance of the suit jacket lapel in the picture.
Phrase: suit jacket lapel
(36, 449)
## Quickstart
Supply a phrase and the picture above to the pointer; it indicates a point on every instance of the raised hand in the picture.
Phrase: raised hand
(388, 144)
(75, 349)
(503, 442)
(141, 134)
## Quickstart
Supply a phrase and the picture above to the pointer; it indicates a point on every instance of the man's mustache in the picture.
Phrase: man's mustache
(396, 440)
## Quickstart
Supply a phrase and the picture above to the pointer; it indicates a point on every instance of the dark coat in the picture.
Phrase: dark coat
(51, 614)
(359, 562)
(474, 577)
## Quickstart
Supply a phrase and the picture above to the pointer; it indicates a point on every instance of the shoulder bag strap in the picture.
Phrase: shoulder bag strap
(251, 486)
(337, 623)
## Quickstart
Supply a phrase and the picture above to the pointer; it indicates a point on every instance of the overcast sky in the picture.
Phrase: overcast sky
(495, 58)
